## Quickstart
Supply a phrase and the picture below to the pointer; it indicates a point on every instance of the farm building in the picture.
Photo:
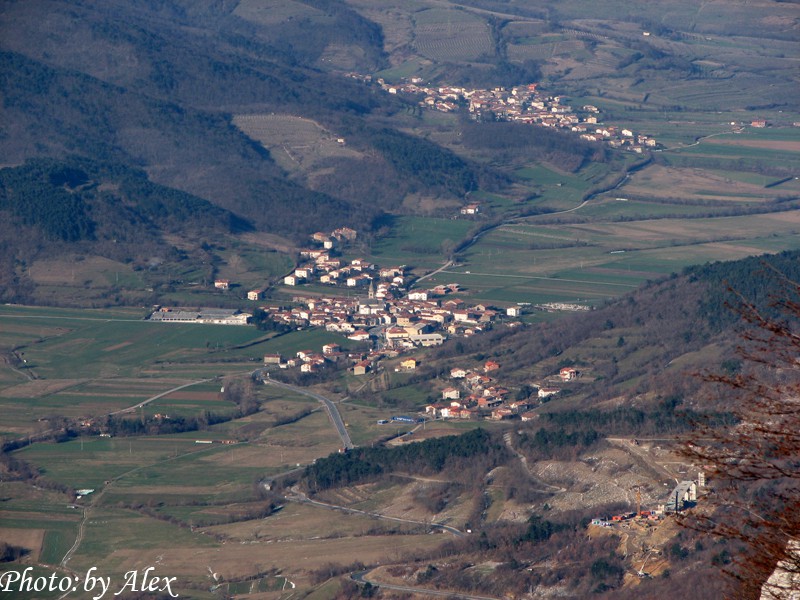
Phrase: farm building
(208, 316)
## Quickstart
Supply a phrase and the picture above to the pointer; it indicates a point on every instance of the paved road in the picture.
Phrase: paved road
(157, 396)
(477, 236)
(432, 273)
(528, 277)
(361, 577)
(333, 411)
(298, 496)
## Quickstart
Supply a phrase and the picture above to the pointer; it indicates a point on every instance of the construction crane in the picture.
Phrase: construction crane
(638, 489)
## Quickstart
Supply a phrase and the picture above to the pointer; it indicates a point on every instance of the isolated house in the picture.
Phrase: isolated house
(568, 373)
(409, 364)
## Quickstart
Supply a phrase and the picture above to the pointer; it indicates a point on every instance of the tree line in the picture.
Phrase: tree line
(427, 457)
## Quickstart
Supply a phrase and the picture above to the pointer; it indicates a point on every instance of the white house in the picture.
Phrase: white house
(292, 280)
(451, 394)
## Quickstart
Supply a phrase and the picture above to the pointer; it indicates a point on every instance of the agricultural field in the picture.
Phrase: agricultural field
(249, 267)
(451, 35)
(82, 364)
(197, 503)
(96, 281)
(167, 499)
(419, 243)
(298, 145)
(701, 185)
(590, 262)
(156, 501)
(275, 12)
(175, 500)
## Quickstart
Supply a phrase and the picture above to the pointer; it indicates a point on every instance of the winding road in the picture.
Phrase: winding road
(490, 228)
(156, 397)
(298, 496)
(550, 489)
(361, 577)
(330, 406)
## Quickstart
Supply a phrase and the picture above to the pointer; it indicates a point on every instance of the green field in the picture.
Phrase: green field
(419, 242)
(589, 262)
(716, 189)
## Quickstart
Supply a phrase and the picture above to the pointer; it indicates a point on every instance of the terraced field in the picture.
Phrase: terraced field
(299, 145)
(451, 35)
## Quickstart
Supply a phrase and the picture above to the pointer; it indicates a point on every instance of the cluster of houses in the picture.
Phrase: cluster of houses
(322, 265)
(381, 310)
(476, 394)
(310, 361)
(523, 104)
(421, 318)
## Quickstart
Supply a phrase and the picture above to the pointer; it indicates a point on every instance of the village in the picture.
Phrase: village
(378, 308)
(391, 320)
(520, 104)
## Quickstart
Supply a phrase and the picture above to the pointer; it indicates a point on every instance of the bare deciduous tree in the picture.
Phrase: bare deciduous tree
(755, 463)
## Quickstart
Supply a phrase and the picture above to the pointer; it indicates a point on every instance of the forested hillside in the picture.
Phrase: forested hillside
(639, 359)
(60, 112)
(649, 344)
(140, 84)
